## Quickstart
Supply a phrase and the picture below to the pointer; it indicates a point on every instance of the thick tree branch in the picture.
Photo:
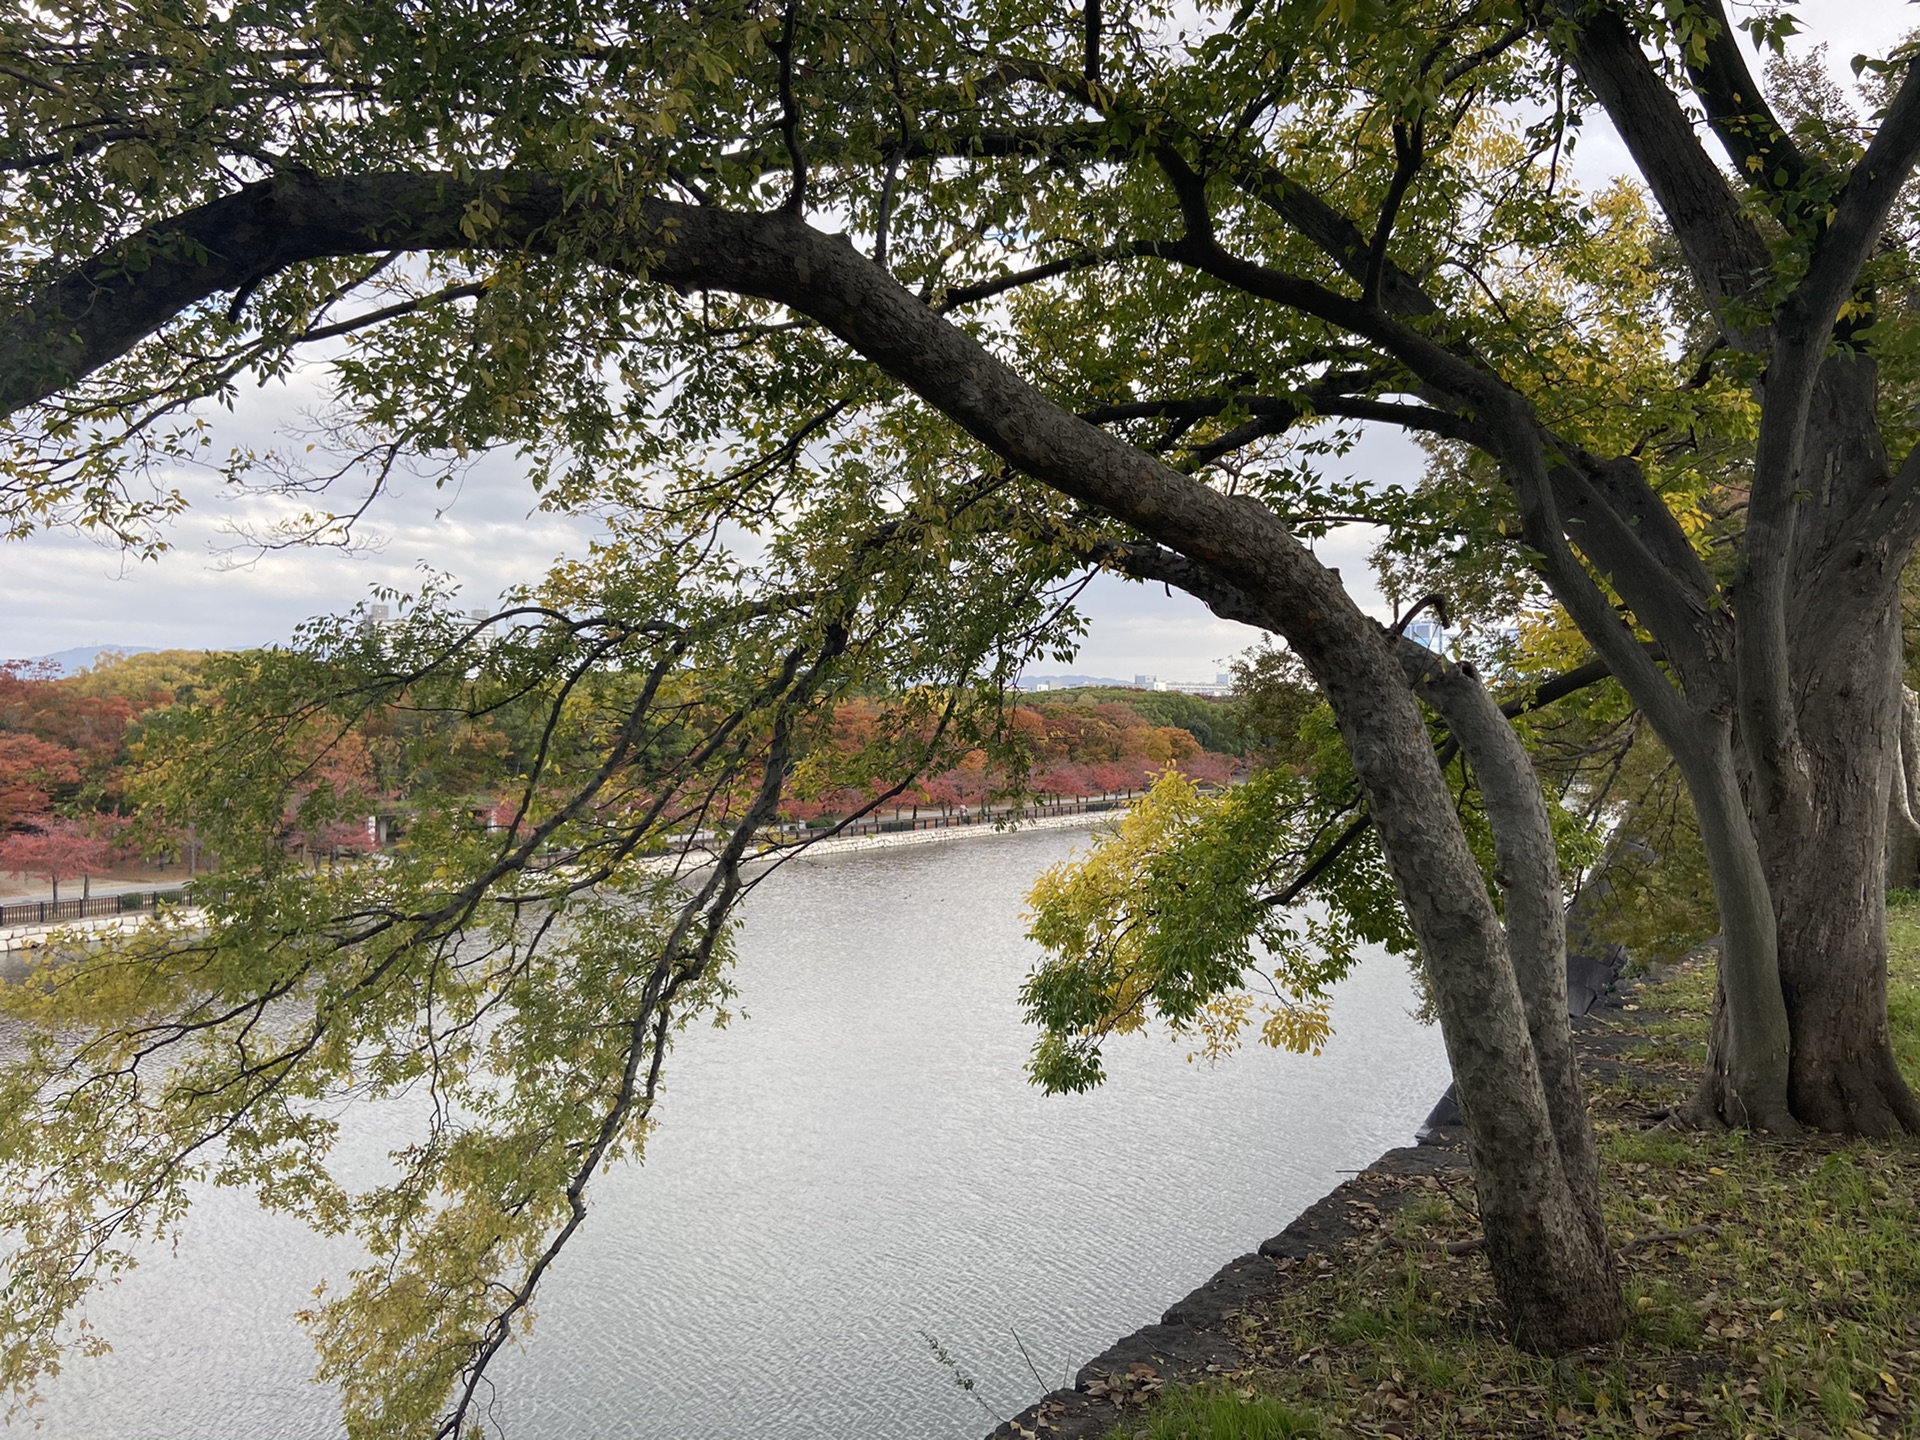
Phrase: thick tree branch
(1724, 250)
(1761, 149)
(1859, 213)
(1802, 329)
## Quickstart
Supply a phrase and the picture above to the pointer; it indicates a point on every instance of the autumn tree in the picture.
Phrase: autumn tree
(534, 975)
(31, 769)
(56, 848)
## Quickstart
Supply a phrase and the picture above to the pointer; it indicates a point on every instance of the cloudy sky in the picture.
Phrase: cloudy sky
(210, 590)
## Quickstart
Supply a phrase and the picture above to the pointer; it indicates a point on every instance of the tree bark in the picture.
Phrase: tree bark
(1826, 869)
(1527, 870)
(1545, 1244)
(1819, 782)
(1501, 993)
(1749, 1058)
(1903, 799)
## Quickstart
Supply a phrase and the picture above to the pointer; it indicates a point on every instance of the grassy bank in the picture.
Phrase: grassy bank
(1774, 1287)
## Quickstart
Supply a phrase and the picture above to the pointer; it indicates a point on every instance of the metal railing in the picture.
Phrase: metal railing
(59, 912)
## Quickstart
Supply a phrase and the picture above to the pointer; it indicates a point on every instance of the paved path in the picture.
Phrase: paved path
(70, 890)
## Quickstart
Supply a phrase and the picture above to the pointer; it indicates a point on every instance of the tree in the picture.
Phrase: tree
(30, 770)
(1314, 221)
(147, 678)
(1288, 220)
(55, 848)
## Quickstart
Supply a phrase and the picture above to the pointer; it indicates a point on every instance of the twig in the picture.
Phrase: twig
(1662, 1237)
(1031, 1367)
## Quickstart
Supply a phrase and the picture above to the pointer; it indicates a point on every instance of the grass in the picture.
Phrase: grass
(1205, 1412)
(1794, 1313)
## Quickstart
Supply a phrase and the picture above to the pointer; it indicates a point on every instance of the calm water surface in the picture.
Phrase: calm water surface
(856, 1166)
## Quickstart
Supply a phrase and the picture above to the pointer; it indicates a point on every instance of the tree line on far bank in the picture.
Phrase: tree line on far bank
(68, 742)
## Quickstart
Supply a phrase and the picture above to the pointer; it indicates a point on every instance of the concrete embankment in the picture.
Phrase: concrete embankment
(18, 943)
(1204, 1336)
(842, 844)
(1199, 1338)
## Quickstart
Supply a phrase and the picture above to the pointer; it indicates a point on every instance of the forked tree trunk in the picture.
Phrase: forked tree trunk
(1501, 995)
(1548, 1254)
(1527, 870)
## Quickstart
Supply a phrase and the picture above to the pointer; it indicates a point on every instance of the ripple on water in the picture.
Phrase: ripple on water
(858, 1162)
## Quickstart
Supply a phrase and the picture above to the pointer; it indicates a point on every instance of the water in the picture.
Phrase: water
(857, 1165)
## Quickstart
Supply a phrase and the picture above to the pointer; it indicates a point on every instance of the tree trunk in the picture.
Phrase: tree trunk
(1550, 1263)
(1903, 800)
(1749, 1056)
(1828, 880)
(1527, 1131)
(1818, 793)
(1527, 871)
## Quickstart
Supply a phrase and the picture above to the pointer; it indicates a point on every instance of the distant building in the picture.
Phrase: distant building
(1220, 685)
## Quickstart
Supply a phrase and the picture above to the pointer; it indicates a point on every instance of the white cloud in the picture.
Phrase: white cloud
(211, 590)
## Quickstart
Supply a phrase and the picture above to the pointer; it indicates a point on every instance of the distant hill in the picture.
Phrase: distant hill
(82, 657)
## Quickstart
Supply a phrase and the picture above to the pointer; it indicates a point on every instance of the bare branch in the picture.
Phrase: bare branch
(466, 291)
(1067, 265)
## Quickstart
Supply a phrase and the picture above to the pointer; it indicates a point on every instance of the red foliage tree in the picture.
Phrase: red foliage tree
(35, 701)
(30, 770)
(1207, 768)
(57, 849)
